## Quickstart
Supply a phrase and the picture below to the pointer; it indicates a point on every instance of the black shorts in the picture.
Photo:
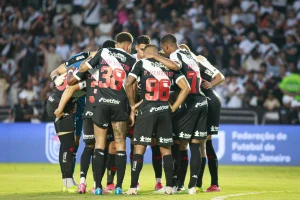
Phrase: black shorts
(88, 134)
(105, 114)
(214, 110)
(191, 124)
(65, 123)
(159, 125)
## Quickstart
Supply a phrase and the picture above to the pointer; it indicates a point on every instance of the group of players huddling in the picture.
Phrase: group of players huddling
(159, 98)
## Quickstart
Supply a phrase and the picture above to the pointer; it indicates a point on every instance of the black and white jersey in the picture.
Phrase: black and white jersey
(208, 72)
(91, 91)
(114, 66)
(189, 67)
(74, 61)
(155, 80)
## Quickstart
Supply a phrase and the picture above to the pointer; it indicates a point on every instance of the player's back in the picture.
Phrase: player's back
(155, 82)
(189, 68)
(74, 61)
(114, 66)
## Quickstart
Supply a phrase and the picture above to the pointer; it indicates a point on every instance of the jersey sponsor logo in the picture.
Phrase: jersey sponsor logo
(51, 99)
(118, 55)
(52, 144)
(89, 113)
(88, 137)
(160, 65)
(165, 140)
(201, 104)
(200, 134)
(111, 101)
(160, 108)
(185, 135)
(145, 139)
(208, 72)
(80, 57)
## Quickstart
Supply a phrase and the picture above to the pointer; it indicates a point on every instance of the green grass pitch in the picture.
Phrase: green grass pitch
(42, 181)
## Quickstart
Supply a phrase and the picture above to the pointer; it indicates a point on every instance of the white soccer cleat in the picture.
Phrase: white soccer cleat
(132, 191)
(191, 190)
(174, 189)
(169, 190)
(160, 191)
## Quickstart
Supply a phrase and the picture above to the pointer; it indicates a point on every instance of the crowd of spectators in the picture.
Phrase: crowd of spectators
(255, 43)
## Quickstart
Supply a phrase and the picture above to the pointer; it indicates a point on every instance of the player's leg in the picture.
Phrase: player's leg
(157, 164)
(65, 131)
(111, 160)
(119, 118)
(137, 165)
(213, 118)
(164, 138)
(101, 119)
(195, 164)
(87, 153)
(184, 162)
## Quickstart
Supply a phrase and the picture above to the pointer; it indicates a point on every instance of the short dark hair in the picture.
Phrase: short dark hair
(150, 46)
(109, 44)
(143, 39)
(169, 38)
(124, 37)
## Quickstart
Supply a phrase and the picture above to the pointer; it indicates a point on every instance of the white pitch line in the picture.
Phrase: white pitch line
(236, 195)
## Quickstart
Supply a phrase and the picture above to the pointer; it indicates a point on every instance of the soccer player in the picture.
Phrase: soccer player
(64, 126)
(153, 115)
(211, 77)
(110, 104)
(189, 125)
(142, 41)
(91, 82)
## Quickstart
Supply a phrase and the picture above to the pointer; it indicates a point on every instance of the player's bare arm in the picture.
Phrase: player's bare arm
(165, 61)
(184, 92)
(68, 93)
(131, 94)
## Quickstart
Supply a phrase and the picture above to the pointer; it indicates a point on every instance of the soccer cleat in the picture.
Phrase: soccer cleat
(82, 188)
(138, 186)
(160, 191)
(72, 189)
(180, 188)
(132, 191)
(213, 188)
(98, 191)
(110, 187)
(118, 191)
(174, 190)
(191, 191)
(64, 189)
(158, 186)
(169, 190)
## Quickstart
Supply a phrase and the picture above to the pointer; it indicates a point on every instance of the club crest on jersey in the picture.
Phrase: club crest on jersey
(52, 144)
(118, 55)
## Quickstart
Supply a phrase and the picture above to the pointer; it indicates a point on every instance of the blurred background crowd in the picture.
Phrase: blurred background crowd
(255, 43)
